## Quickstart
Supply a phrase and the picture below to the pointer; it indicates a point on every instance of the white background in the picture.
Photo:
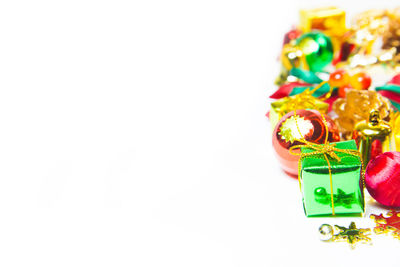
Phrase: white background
(133, 134)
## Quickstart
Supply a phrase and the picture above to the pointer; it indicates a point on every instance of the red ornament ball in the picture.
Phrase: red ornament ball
(382, 179)
(291, 35)
(339, 78)
(360, 81)
(312, 129)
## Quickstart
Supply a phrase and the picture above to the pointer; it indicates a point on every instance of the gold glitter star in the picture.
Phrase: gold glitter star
(352, 234)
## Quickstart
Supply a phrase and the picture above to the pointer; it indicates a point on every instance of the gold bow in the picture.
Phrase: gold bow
(302, 100)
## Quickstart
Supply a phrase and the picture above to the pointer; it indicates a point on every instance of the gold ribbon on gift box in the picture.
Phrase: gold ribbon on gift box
(327, 150)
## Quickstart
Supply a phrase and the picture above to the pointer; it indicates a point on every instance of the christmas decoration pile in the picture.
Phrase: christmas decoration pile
(335, 115)
(384, 225)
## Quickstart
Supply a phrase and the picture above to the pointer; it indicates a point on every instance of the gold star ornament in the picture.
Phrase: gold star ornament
(351, 235)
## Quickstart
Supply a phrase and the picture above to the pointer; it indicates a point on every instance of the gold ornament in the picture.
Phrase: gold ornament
(304, 100)
(374, 130)
(329, 20)
(366, 29)
(291, 57)
(352, 235)
(356, 107)
(395, 124)
(391, 37)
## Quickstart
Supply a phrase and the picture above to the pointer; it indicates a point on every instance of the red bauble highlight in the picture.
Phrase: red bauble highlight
(315, 132)
(382, 179)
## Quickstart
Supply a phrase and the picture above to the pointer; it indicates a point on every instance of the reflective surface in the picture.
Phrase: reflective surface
(382, 179)
(285, 105)
(312, 129)
(315, 183)
(317, 49)
(340, 199)
(356, 107)
(374, 133)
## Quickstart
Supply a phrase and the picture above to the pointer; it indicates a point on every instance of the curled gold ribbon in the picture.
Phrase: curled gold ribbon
(327, 150)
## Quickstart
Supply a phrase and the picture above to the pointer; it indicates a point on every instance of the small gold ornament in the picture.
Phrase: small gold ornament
(291, 57)
(372, 132)
(351, 235)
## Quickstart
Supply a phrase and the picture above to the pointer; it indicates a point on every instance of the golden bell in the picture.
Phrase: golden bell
(374, 132)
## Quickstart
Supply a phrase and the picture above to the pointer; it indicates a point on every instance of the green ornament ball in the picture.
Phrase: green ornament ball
(317, 48)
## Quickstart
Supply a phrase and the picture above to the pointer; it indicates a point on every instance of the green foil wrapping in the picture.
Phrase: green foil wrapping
(346, 183)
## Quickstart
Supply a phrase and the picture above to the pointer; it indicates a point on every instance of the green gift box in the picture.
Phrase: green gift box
(315, 182)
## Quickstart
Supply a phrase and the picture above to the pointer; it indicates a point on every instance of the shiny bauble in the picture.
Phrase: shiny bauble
(325, 232)
(291, 35)
(360, 81)
(339, 78)
(312, 128)
(382, 179)
(317, 49)
(292, 57)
